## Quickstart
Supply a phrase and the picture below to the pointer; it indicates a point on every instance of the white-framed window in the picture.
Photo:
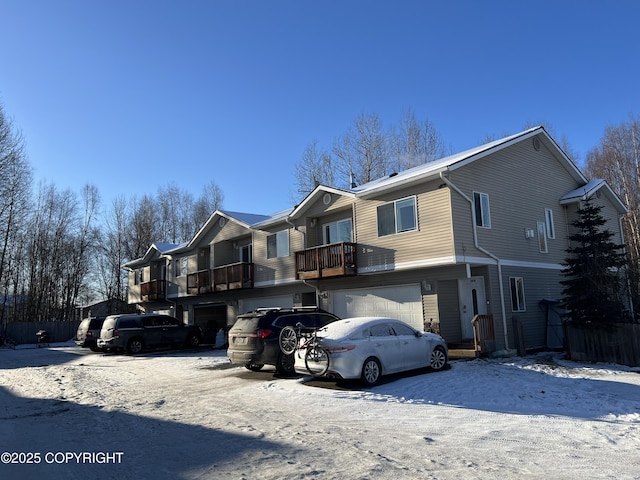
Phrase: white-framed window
(397, 216)
(278, 244)
(340, 231)
(481, 206)
(542, 238)
(548, 218)
(517, 294)
(136, 276)
(182, 265)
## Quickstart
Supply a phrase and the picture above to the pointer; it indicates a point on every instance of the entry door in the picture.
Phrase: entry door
(473, 301)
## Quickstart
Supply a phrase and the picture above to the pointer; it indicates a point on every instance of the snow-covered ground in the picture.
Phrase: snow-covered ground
(190, 415)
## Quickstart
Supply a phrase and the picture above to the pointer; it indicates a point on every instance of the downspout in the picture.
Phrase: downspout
(483, 250)
(166, 287)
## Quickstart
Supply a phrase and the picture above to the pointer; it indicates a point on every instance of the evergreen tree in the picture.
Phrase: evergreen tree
(593, 285)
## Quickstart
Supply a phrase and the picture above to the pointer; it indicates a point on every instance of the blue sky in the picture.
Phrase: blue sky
(131, 95)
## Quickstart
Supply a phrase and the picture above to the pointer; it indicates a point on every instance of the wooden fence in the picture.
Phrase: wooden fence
(25, 332)
(618, 343)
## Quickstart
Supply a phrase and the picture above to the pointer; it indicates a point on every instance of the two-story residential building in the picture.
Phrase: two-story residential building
(477, 235)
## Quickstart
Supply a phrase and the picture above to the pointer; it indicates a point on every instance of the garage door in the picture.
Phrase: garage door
(404, 303)
(249, 304)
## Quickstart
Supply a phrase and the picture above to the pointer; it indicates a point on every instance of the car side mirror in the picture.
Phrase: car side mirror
(418, 334)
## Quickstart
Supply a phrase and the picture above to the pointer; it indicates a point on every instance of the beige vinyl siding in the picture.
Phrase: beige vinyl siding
(274, 270)
(504, 176)
(538, 285)
(338, 202)
(432, 240)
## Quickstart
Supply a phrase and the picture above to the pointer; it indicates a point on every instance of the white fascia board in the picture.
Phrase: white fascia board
(314, 196)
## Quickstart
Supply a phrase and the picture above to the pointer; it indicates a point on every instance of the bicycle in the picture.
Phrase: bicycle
(316, 357)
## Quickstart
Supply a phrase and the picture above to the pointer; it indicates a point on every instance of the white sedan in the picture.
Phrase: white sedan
(367, 348)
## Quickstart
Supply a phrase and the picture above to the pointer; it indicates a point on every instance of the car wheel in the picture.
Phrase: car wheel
(288, 340)
(438, 358)
(285, 364)
(254, 367)
(371, 371)
(193, 341)
(135, 345)
(95, 349)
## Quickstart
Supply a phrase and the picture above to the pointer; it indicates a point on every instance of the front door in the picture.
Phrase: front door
(473, 301)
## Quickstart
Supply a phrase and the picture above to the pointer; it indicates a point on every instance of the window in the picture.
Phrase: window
(404, 330)
(548, 216)
(340, 231)
(517, 294)
(278, 244)
(181, 266)
(381, 330)
(481, 205)
(542, 238)
(246, 253)
(397, 217)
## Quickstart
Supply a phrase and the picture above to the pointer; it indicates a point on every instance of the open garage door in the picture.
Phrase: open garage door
(401, 302)
(210, 319)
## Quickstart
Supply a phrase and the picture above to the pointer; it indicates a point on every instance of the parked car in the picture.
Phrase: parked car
(254, 338)
(133, 333)
(367, 348)
(88, 333)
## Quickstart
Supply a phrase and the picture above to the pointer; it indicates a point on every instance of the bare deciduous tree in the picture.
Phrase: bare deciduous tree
(15, 187)
(617, 160)
(367, 152)
(415, 143)
(362, 152)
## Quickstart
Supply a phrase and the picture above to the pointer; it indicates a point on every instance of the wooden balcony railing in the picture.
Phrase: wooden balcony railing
(234, 276)
(334, 260)
(227, 277)
(153, 290)
(199, 282)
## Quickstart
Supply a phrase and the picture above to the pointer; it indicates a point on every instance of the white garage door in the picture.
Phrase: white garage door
(249, 304)
(403, 303)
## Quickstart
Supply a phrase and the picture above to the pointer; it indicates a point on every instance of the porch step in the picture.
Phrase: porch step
(462, 353)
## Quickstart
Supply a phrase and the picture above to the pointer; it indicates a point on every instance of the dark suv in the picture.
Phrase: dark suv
(88, 333)
(133, 333)
(254, 338)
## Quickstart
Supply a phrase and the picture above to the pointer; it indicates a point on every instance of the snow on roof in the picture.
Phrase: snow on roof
(584, 192)
(593, 187)
(246, 218)
(435, 167)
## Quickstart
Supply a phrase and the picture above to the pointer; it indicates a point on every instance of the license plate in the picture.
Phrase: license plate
(241, 340)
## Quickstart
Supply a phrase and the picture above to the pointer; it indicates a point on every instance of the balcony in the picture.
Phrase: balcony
(335, 260)
(153, 290)
(199, 282)
(227, 277)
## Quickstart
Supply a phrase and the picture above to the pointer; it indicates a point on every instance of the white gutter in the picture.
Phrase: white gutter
(477, 245)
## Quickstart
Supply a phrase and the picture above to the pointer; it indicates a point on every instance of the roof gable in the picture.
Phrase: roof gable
(434, 169)
(595, 187)
(315, 196)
